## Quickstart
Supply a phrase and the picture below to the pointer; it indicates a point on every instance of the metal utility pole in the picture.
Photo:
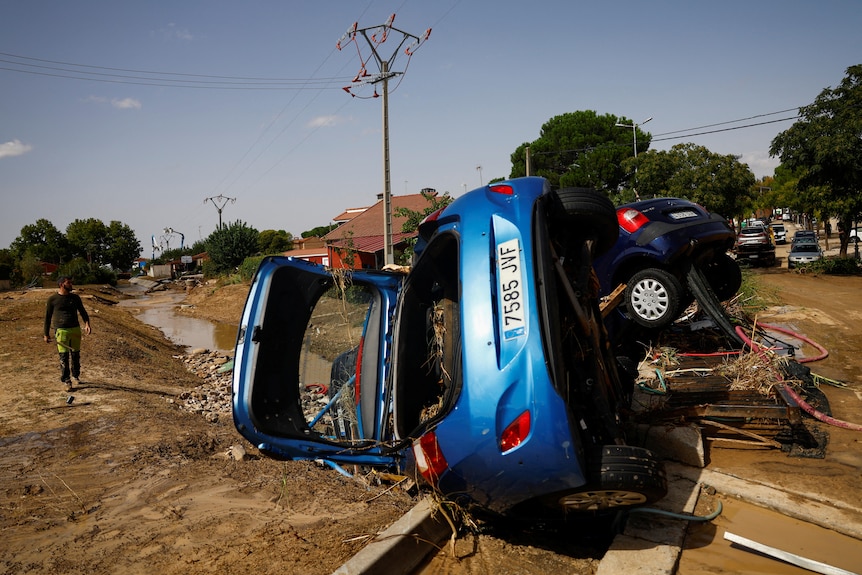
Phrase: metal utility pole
(220, 202)
(375, 36)
(634, 127)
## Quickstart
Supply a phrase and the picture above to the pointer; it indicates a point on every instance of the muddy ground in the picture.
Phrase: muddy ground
(123, 481)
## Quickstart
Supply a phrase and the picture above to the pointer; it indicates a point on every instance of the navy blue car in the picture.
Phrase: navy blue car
(659, 243)
(486, 369)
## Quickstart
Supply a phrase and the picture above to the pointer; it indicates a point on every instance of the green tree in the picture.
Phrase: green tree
(720, 183)
(274, 242)
(825, 147)
(582, 149)
(123, 247)
(43, 241)
(88, 239)
(414, 218)
(318, 232)
(230, 245)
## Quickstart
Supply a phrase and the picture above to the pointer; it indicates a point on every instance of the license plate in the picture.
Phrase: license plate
(683, 214)
(510, 289)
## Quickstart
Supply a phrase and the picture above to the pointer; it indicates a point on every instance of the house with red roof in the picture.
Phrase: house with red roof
(359, 240)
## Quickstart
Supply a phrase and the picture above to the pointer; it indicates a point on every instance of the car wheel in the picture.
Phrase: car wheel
(594, 213)
(724, 276)
(653, 298)
(620, 476)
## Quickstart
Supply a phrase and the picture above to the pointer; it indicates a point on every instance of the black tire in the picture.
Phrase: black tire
(620, 476)
(653, 298)
(592, 212)
(708, 301)
(724, 276)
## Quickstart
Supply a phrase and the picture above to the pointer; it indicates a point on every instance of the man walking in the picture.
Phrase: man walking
(63, 307)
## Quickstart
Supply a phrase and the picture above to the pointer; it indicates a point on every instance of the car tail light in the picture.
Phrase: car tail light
(429, 458)
(631, 220)
(502, 189)
(515, 433)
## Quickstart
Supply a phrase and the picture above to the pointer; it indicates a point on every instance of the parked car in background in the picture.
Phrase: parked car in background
(803, 252)
(754, 246)
(804, 235)
(659, 241)
(485, 370)
(779, 233)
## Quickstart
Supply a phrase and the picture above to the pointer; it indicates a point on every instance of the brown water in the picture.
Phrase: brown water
(706, 551)
(158, 310)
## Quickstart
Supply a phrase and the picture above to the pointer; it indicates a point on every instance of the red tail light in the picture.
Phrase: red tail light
(502, 189)
(515, 433)
(429, 458)
(631, 220)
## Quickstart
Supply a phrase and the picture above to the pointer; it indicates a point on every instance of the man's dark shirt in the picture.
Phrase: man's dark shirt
(64, 309)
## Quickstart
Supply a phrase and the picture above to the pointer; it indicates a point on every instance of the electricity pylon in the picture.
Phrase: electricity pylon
(219, 202)
(375, 36)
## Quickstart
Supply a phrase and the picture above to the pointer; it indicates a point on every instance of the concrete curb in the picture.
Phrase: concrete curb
(830, 514)
(650, 544)
(400, 549)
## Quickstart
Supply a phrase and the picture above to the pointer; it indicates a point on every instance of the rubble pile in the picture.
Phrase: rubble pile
(212, 398)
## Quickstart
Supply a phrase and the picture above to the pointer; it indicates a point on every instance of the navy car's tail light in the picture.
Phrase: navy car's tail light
(429, 459)
(516, 432)
(631, 220)
(502, 189)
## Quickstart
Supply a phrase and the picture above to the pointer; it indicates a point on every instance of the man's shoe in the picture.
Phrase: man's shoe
(69, 386)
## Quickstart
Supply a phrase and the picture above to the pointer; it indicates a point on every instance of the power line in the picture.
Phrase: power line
(68, 70)
(723, 129)
(729, 122)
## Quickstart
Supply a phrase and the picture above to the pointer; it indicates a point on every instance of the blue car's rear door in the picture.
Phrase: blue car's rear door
(311, 362)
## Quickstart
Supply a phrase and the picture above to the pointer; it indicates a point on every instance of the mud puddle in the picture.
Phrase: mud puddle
(158, 310)
(707, 551)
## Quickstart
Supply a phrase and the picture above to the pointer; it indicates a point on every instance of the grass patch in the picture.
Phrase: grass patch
(754, 296)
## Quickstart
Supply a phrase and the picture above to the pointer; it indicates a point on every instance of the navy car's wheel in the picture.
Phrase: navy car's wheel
(595, 215)
(724, 276)
(619, 476)
(653, 298)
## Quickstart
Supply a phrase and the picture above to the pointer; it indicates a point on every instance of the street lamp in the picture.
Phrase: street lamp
(634, 127)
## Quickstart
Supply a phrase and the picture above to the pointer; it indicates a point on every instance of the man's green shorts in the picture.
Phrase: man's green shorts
(68, 339)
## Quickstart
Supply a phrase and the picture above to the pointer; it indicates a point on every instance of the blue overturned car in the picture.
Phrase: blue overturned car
(486, 370)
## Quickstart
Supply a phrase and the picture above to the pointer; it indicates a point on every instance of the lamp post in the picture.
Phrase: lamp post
(634, 127)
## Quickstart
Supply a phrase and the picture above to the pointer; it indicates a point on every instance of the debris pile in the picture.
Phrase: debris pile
(211, 399)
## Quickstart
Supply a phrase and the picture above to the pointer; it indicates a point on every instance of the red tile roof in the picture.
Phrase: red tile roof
(365, 230)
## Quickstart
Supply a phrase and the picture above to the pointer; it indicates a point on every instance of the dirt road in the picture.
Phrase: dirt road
(123, 481)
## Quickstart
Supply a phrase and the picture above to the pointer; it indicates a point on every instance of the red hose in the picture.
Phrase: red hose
(824, 353)
(820, 416)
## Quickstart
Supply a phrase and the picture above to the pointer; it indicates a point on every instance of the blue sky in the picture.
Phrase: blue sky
(85, 132)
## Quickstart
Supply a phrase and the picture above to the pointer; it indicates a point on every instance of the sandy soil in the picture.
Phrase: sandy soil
(122, 481)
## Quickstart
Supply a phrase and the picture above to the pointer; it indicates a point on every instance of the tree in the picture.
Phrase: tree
(88, 239)
(318, 232)
(274, 242)
(123, 247)
(229, 245)
(582, 149)
(414, 218)
(42, 241)
(720, 183)
(825, 150)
